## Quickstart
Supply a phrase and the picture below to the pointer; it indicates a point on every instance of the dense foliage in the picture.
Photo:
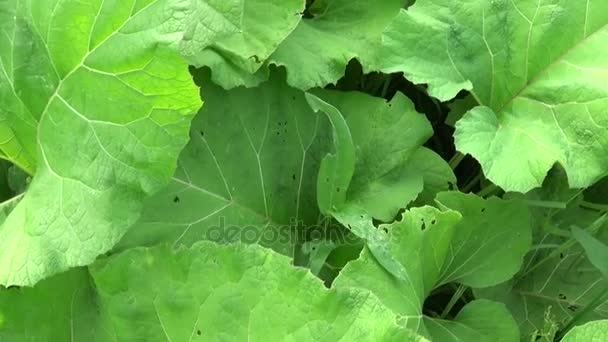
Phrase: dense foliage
(387, 170)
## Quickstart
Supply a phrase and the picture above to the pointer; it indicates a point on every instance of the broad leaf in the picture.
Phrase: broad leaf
(318, 50)
(112, 101)
(559, 289)
(203, 293)
(596, 251)
(235, 37)
(492, 239)
(238, 292)
(248, 173)
(385, 137)
(384, 179)
(360, 223)
(251, 170)
(557, 282)
(434, 248)
(535, 67)
(596, 331)
(437, 175)
(61, 308)
(479, 320)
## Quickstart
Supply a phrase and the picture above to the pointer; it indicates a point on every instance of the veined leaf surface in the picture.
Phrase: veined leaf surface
(105, 104)
(537, 70)
(436, 247)
(235, 37)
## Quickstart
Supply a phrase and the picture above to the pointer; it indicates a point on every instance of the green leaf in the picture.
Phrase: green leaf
(317, 51)
(405, 243)
(377, 162)
(19, 117)
(360, 223)
(597, 252)
(336, 168)
(203, 293)
(235, 292)
(557, 282)
(492, 240)
(241, 39)
(61, 308)
(385, 136)
(318, 251)
(235, 37)
(459, 108)
(596, 331)
(536, 69)
(480, 320)
(113, 101)
(248, 173)
(437, 175)
(566, 283)
(435, 247)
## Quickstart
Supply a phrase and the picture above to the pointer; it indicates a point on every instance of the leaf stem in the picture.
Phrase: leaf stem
(546, 204)
(13, 199)
(471, 184)
(455, 298)
(594, 206)
(455, 160)
(488, 190)
(387, 83)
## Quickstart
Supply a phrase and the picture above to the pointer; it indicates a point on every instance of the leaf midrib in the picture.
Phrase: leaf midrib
(547, 68)
(70, 73)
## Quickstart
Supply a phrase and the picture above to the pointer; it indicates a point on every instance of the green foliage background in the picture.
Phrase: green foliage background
(359, 170)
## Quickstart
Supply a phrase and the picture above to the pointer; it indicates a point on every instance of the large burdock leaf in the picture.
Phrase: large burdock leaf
(240, 39)
(438, 247)
(366, 175)
(237, 292)
(556, 282)
(61, 308)
(251, 171)
(492, 239)
(17, 123)
(248, 173)
(554, 292)
(317, 51)
(235, 37)
(387, 137)
(537, 70)
(203, 293)
(112, 100)
(596, 331)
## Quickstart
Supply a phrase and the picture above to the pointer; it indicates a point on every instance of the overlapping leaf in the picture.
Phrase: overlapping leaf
(235, 37)
(251, 170)
(61, 308)
(240, 292)
(385, 137)
(248, 173)
(592, 331)
(557, 281)
(318, 50)
(203, 293)
(111, 100)
(436, 248)
(240, 39)
(535, 67)
(559, 289)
